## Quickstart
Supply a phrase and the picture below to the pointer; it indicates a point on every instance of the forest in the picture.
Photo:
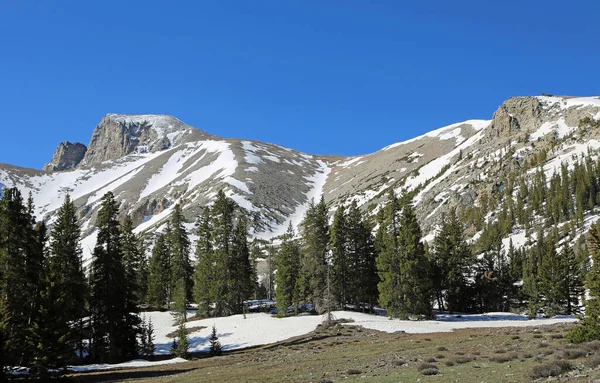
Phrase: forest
(54, 311)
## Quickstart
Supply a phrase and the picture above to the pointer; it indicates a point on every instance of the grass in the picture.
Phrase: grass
(489, 355)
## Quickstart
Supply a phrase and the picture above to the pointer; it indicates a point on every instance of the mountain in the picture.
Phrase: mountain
(152, 162)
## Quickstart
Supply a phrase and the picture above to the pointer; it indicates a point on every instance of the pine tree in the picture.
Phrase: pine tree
(241, 283)
(215, 345)
(17, 294)
(452, 259)
(222, 238)
(203, 275)
(287, 281)
(64, 294)
(405, 286)
(180, 253)
(340, 273)
(589, 328)
(159, 276)
(362, 260)
(315, 238)
(182, 344)
(132, 258)
(110, 323)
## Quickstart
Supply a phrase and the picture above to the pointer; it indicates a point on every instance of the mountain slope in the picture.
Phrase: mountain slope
(152, 162)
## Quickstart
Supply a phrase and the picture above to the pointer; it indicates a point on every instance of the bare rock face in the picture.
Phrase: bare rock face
(67, 156)
(119, 135)
(517, 115)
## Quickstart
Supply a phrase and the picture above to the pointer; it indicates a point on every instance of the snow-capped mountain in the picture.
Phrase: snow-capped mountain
(152, 162)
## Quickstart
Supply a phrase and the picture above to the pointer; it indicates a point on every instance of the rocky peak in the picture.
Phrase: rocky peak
(118, 135)
(516, 115)
(67, 156)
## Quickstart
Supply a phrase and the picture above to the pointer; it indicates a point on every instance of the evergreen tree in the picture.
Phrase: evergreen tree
(132, 258)
(181, 345)
(405, 286)
(315, 238)
(215, 345)
(180, 253)
(239, 267)
(159, 276)
(340, 269)
(203, 275)
(452, 260)
(589, 328)
(147, 337)
(222, 238)
(17, 294)
(288, 269)
(111, 338)
(362, 256)
(64, 294)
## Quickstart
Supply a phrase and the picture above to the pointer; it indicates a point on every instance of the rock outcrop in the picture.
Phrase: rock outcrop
(516, 115)
(67, 156)
(119, 135)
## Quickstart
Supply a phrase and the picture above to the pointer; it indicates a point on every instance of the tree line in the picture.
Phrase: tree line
(52, 313)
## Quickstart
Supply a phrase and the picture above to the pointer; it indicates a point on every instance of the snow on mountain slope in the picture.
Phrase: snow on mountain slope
(153, 162)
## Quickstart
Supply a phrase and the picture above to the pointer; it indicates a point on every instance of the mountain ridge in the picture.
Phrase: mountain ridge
(152, 162)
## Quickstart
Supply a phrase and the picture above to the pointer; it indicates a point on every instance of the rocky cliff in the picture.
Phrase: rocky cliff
(67, 156)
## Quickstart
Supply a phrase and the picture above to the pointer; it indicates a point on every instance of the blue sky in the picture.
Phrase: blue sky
(325, 77)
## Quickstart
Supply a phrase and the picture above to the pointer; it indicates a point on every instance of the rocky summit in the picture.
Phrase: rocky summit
(152, 162)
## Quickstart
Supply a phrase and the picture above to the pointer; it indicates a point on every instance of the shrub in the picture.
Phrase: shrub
(593, 361)
(354, 371)
(527, 356)
(586, 331)
(550, 369)
(398, 362)
(425, 366)
(430, 371)
(556, 336)
(502, 358)
(573, 354)
(515, 337)
(449, 363)
(440, 356)
(442, 348)
(463, 359)
(430, 360)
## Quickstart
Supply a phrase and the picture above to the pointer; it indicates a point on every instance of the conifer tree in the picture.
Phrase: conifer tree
(589, 328)
(159, 276)
(181, 345)
(315, 238)
(64, 293)
(16, 299)
(405, 286)
(132, 258)
(362, 256)
(288, 269)
(239, 267)
(222, 238)
(180, 253)
(215, 344)
(452, 259)
(110, 322)
(340, 269)
(203, 274)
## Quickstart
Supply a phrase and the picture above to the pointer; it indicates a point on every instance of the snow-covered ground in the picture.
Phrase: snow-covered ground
(260, 328)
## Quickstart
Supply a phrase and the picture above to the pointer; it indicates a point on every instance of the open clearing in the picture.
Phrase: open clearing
(349, 352)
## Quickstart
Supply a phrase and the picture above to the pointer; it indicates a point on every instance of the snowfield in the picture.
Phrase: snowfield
(235, 332)
(257, 329)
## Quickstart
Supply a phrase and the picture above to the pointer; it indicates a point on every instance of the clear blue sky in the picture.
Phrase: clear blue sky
(332, 77)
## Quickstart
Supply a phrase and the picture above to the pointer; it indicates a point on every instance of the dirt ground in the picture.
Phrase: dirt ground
(344, 352)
